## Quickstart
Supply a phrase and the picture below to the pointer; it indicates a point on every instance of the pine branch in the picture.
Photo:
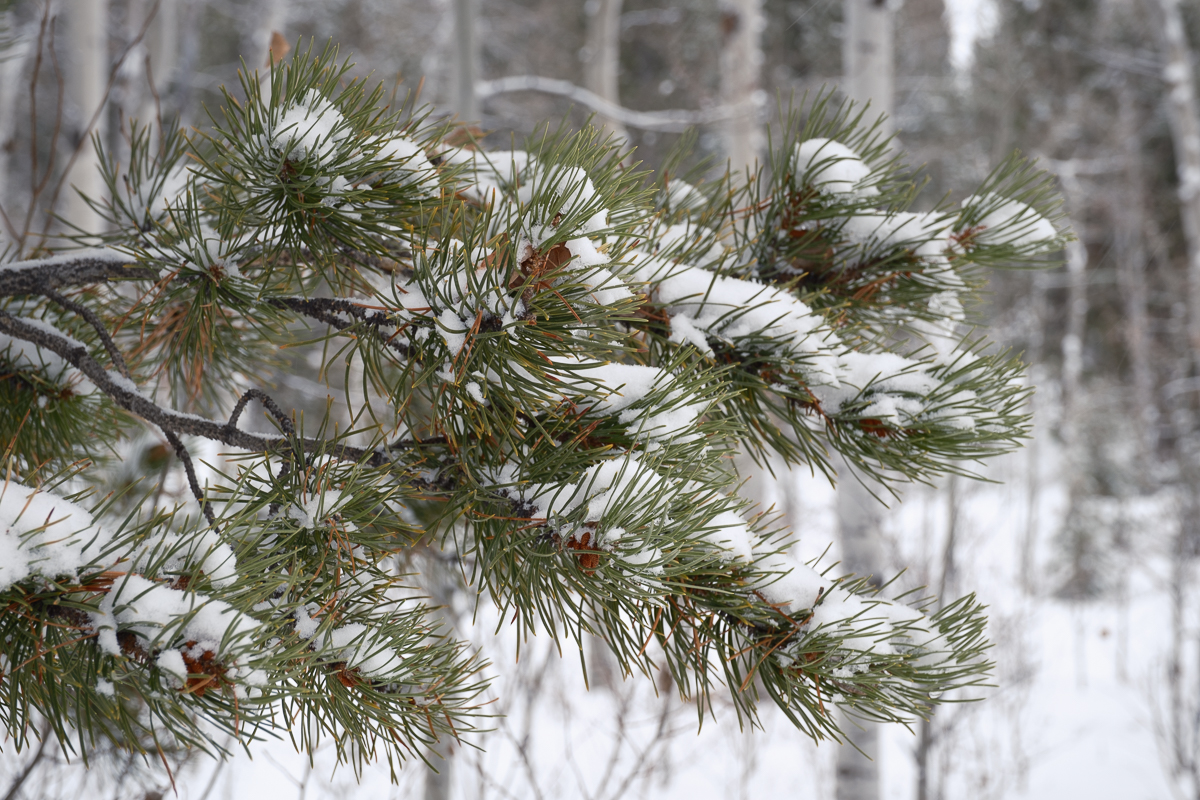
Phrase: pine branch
(565, 353)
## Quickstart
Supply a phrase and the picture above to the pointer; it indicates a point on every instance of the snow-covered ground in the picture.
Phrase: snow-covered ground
(1080, 687)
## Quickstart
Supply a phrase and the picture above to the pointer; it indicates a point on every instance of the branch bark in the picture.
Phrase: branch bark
(325, 309)
(74, 269)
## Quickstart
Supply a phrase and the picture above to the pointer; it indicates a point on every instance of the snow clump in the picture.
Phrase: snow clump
(310, 129)
(317, 511)
(833, 167)
(412, 165)
(704, 304)
(41, 534)
(1011, 222)
(176, 625)
(362, 648)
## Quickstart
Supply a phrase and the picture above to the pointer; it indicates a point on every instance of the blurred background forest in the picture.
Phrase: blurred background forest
(1085, 545)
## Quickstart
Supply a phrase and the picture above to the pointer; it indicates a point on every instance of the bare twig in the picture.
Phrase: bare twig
(270, 405)
(125, 394)
(326, 309)
(15, 788)
(109, 345)
(184, 456)
(674, 121)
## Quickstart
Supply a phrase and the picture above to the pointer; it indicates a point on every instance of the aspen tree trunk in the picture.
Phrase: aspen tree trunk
(741, 61)
(440, 581)
(1081, 579)
(1132, 279)
(162, 49)
(860, 516)
(270, 16)
(465, 61)
(1081, 582)
(1131, 276)
(187, 58)
(1185, 134)
(867, 64)
(1072, 348)
(602, 68)
(12, 68)
(87, 68)
(868, 59)
(1033, 452)
(927, 733)
(144, 77)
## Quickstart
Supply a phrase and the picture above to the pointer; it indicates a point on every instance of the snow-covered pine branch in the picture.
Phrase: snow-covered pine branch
(542, 364)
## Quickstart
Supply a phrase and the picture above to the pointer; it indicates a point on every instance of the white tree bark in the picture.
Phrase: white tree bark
(602, 66)
(868, 59)
(465, 61)
(1131, 276)
(440, 581)
(162, 53)
(741, 61)
(1132, 279)
(87, 68)
(12, 70)
(860, 519)
(269, 16)
(1185, 134)
(928, 732)
(867, 64)
(143, 78)
(1033, 477)
(1081, 580)
(1072, 349)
